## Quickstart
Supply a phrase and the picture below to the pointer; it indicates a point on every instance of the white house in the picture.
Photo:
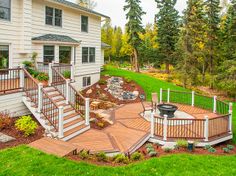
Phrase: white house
(56, 30)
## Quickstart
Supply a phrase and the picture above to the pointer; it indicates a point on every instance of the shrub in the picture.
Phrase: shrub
(67, 74)
(83, 154)
(5, 120)
(150, 149)
(33, 72)
(28, 64)
(148, 146)
(136, 156)
(212, 150)
(226, 150)
(167, 150)
(102, 82)
(121, 158)
(152, 154)
(100, 124)
(206, 147)
(128, 79)
(230, 147)
(182, 143)
(101, 156)
(26, 125)
(43, 77)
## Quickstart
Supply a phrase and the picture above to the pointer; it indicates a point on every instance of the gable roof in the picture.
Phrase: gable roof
(56, 38)
(76, 6)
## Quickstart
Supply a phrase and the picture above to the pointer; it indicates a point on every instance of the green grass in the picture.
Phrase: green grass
(151, 84)
(26, 161)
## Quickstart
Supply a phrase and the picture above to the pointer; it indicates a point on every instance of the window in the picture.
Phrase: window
(64, 54)
(86, 81)
(4, 56)
(84, 23)
(5, 9)
(88, 55)
(48, 52)
(53, 16)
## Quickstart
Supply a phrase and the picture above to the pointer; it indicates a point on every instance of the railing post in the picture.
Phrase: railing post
(215, 104)
(60, 120)
(87, 111)
(165, 126)
(168, 96)
(161, 95)
(206, 129)
(152, 125)
(72, 71)
(40, 97)
(50, 73)
(22, 76)
(67, 91)
(193, 98)
(230, 117)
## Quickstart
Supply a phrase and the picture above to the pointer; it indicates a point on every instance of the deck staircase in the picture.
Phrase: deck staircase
(61, 117)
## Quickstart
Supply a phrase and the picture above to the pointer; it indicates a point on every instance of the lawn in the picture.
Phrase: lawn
(26, 161)
(151, 84)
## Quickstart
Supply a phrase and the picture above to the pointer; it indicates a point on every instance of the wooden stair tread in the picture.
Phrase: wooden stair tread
(70, 116)
(74, 130)
(73, 122)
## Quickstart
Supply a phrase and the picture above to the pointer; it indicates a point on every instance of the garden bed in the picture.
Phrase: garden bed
(98, 123)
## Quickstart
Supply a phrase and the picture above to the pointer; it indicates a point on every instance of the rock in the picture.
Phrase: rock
(169, 146)
(89, 91)
(97, 86)
(136, 93)
(5, 138)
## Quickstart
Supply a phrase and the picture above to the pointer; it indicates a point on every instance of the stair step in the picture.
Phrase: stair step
(56, 94)
(74, 130)
(70, 116)
(58, 100)
(52, 89)
(74, 122)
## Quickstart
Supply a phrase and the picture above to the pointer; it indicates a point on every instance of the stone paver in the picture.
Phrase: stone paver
(6, 138)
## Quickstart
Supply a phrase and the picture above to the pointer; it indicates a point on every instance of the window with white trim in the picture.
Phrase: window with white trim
(4, 56)
(86, 81)
(5, 9)
(88, 54)
(48, 53)
(84, 23)
(53, 16)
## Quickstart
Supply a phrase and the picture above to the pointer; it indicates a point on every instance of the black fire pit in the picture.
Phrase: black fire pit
(167, 109)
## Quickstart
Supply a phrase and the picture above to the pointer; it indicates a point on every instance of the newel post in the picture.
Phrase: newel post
(165, 127)
(215, 104)
(230, 117)
(193, 98)
(50, 73)
(67, 91)
(22, 76)
(40, 97)
(206, 129)
(72, 71)
(87, 111)
(152, 125)
(161, 95)
(168, 96)
(60, 120)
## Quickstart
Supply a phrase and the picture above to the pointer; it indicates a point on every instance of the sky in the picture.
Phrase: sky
(114, 9)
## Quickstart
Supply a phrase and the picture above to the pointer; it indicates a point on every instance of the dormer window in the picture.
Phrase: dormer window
(84, 23)
(5, 9)
(53, 16)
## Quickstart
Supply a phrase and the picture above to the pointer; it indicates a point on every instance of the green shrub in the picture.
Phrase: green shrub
(230, 147)
(28, 64)
(128, 79)
(152, 154)
(150, 149)
(102, 82)
(148, 146)
(136, 156)
(212, 150)
(33, 72)
(26, 125)
(83, 154)
(101, 156)
(206, 147)
(43, 77)
(121, 158)
(182, 143)
(66, 74)
(226, 150)
(167, 150)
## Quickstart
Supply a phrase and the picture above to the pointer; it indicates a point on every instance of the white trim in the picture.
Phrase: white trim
(10, 53)
(10, 19)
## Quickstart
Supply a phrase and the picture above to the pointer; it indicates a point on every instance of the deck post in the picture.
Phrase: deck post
(40, 97)
(152, 125)
(161, 95)
(72, 71)
(60, 120)
(214, 105)
(22, 76)
(67, 91)
(206, 129)
(168, 96)
(230, 117)
(87, 111)
(193, 98)
(50, 73)
(165, 126)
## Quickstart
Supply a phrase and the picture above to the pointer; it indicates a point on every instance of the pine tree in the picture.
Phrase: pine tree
(167, 22)
(134, 27)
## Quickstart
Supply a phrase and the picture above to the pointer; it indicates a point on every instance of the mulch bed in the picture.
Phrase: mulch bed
(98, 89)
(20, 138)
(95, 124)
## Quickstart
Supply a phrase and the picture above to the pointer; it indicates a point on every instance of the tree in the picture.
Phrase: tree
(134, 27)
(167, 22)
(116, 42)
(107, 35)
(90, 4)
(212, 16)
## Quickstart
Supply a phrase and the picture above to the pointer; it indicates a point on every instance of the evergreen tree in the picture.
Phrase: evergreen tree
(134, 27)
(167, 22)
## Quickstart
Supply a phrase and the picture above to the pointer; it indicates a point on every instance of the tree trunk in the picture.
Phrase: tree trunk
(167, 68)
(136, 64)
